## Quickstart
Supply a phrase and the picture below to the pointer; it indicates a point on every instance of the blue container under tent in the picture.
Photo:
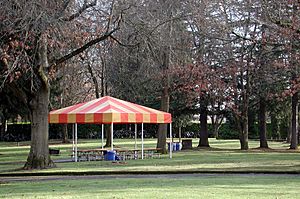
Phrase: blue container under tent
(110, 156)
(176, 146)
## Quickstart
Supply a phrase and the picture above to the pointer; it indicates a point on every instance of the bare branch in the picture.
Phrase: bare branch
(243, 37)
(167, 21)
(110, 16)
(81, 10)
(83, 48)
(121, 44)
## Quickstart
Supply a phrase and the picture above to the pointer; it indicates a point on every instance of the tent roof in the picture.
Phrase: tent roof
(108, 110)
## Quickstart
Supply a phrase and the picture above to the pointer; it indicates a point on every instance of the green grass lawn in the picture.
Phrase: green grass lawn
(224, 156)
(206, 186)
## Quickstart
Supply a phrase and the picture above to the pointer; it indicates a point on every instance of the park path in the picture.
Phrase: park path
(93, 177)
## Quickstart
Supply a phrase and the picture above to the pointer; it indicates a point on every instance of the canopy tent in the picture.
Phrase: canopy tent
(109, 110)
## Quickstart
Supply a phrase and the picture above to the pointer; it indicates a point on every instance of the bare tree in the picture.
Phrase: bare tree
(34, 42)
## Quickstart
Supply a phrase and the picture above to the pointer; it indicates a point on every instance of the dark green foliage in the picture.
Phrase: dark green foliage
(88, 131)
(17, 132)
(227, 132)
(21, 132)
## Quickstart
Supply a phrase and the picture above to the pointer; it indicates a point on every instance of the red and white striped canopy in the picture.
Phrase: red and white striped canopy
(108, 110)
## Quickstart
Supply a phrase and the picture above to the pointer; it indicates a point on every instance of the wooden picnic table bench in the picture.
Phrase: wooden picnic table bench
(126, 154)
(90, 154)
(122, 153)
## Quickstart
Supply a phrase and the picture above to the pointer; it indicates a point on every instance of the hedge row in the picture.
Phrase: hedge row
(21, 132)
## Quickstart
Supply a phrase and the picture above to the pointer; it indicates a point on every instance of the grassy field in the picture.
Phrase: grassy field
(224, 156)
(204, 186)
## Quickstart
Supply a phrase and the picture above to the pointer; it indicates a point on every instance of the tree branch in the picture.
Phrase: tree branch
(277, 24)
(121, 44)
(243, 37)
(81, 10)
(83, 48)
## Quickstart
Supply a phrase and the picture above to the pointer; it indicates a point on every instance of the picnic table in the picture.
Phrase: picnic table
(90, 154)
(126, 154)
(121, 153)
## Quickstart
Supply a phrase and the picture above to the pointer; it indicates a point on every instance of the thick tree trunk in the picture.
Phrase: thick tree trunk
(39, 157)
(163, 128)
(263, 124)
(162, 137)
(242, 122)
(108, 135)
(165, 57)
(244, 135)
(203, 142)
(65, 137)
(294, 136)
(251, 122)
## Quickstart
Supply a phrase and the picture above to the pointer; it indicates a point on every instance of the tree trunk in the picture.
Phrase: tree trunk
(162, 137)
(203, 142)
(39, 157)
(289, 135)
(244, 135)
(242, 122)
(65, 137)
(294, 137)
(108, 135)
(216, 122)
(263, 124)
(213, 119)
(179, 133)
(251, 122)
(2, 128)
(163, 128)
(103, 68)
(164, 62)
(95, 81)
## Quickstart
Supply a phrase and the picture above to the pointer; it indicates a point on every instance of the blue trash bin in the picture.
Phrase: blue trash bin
(174, 146)
(110, 156)
(177, 146)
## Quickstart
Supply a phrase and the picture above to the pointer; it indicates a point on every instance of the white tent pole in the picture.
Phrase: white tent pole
(112, 136)
(171, 142)
(73, 141)
(135, 136)
(102, 134)
(142, 140)
(76, 137)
